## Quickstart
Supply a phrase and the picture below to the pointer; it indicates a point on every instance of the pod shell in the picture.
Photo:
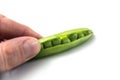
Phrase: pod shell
(63, 47)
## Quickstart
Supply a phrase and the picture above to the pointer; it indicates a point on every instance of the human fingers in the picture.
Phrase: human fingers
(17, 51)
(11, 29)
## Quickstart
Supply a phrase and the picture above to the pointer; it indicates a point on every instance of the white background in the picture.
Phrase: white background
(98, 59)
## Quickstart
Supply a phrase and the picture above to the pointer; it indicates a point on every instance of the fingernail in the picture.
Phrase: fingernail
(31, 48)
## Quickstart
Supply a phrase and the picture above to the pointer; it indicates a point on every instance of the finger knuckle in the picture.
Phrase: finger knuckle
(3, 62)
(10, 58)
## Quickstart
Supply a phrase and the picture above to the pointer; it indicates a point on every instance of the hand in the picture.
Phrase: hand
(18, 43)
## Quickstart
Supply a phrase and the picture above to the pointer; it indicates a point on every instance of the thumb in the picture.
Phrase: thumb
(16, 51)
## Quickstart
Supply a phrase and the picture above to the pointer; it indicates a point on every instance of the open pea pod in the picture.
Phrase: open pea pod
(63, 41)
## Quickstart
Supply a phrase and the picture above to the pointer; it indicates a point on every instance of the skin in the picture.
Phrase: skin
(18, 43)
(63, 41)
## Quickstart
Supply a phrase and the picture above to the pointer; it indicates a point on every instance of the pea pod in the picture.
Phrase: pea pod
(63, 41)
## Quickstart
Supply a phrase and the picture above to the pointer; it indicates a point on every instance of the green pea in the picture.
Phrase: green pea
(73, 36)
(63, 41)
(86, 32)
(56, 41)
(80, 35)
(47, 44)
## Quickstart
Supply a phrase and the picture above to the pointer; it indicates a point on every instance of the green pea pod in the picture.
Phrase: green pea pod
(63, 41)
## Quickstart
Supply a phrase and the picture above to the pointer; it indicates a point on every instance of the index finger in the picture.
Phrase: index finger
(10, 29)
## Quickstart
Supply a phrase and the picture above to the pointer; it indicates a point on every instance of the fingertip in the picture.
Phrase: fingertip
(31, 48)
(11, 29)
